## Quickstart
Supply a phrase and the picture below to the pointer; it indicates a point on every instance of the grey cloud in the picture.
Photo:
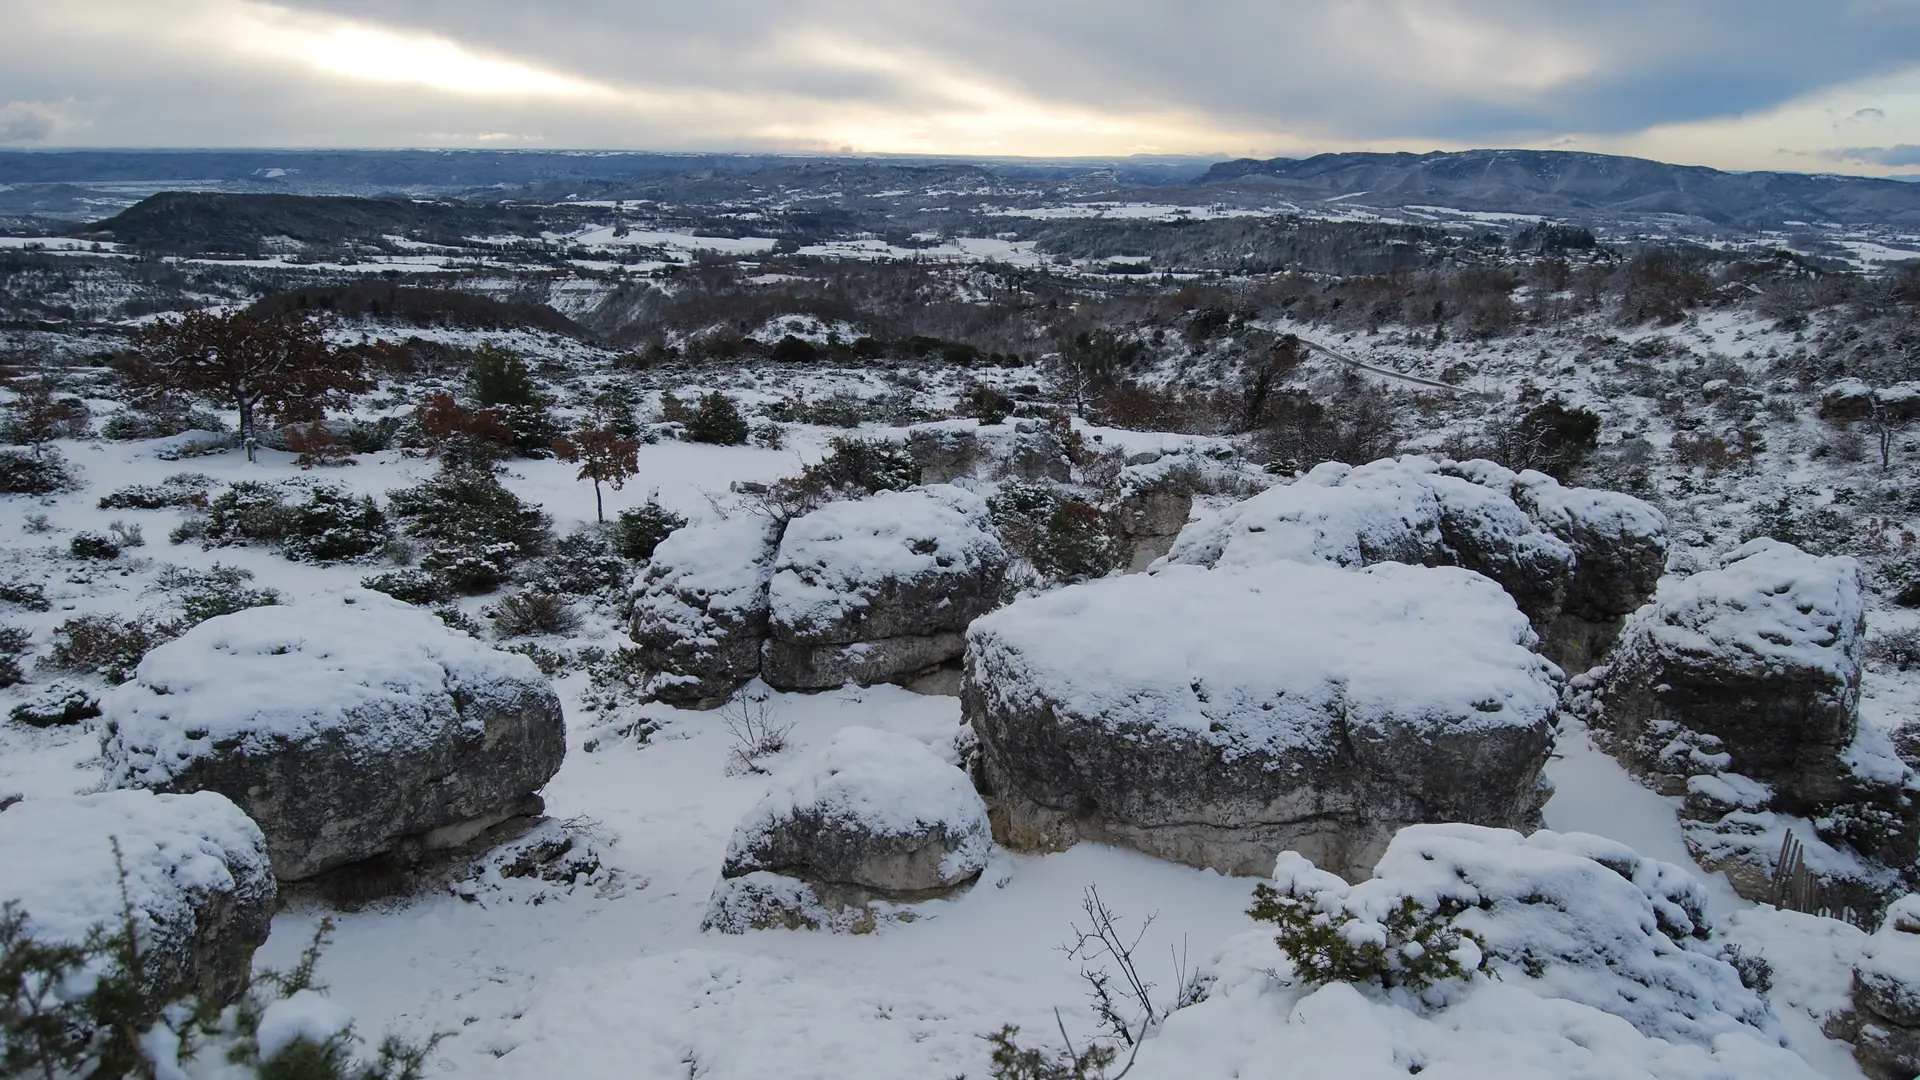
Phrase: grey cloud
(1861, 116)
(1360, 68)
(1905, 155)
(1442, 71)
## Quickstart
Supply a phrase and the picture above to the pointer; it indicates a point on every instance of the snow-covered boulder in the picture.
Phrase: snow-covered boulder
(1219, 717)
(1595, 952)
(1576, 560)
(946, 450)
(1739, 687)
(700, 613)
(1886, 994)
(1854, 399)
(1763, 653)
(877, 589)
(874, 815)
(197, 880)
(349, 727)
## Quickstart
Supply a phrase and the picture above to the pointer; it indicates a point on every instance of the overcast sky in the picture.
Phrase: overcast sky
(1809, 85)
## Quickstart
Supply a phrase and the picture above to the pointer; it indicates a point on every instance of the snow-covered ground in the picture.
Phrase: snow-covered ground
(615, 978)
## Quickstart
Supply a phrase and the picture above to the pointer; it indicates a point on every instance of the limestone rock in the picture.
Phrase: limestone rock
(197, 877)
(350, 727)
(1219, 717)
(880, 588)
(700, 614)
(874, 816)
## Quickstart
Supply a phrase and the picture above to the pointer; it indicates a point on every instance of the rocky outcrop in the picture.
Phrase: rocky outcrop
(700, 612)
(1217, 718)
(947, 450)
(1157, 494)
(1886, 995)
(875, 818)
(1854, 399)
(350, 727)
(1739, 687)
(880, 588)
(1576, 561)
(196, 877)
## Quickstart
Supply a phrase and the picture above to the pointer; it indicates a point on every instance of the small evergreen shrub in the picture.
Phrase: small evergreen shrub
(180, 490)
(107, 646)
(14, 643)
(159, 422)
(423, 588)
(250, 511)
(1899, 648)
(25, 594)
(221, 590)
(454, 619)
(25, 473)
(330, 525)
(640, 530)
(582, 564)
(550, 662)
(717, 420)
(987, 405)
(93, 545)
(474, 527)
(531, 612)
(59, 704)
(1414, 947)
(1080, 542)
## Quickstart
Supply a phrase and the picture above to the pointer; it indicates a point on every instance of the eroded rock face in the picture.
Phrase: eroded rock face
(947, 450)
(700, 613)
(1576, 561)
(197, 877)
(1217, 718)
(1739, 687)
(1886, 994)
(1763, 653)
(880, 588)
(350, 727)
(873, 817)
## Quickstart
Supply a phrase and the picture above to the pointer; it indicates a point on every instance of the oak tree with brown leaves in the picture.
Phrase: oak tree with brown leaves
(603, 457)
(278, 366)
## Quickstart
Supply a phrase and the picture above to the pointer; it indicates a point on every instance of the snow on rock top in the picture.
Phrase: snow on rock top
(1335, 514)
(1769, 608)
(1272, 658)
(835, 561)
(866, 791)
(57, 857)
(716, 571)
(359, 664)
(196, 877)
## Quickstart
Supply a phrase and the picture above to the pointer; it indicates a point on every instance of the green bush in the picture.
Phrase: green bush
(107, 646)
(525, 614)
(1415, 946)
(208, 594)
(24, 473)
(717, 420)
(467, 507)
(421, 587)
(582, 564)
(327, 525)
(59, 704)
(159, 421)
(93, 545)
(987, 405)
(25, 594)
(178, 490)
(1080, 542)
(639, 531)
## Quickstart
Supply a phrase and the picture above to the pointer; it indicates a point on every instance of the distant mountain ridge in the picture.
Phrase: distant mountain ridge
(1563, 183)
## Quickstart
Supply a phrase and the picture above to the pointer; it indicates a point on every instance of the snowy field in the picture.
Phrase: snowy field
(614, 977)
